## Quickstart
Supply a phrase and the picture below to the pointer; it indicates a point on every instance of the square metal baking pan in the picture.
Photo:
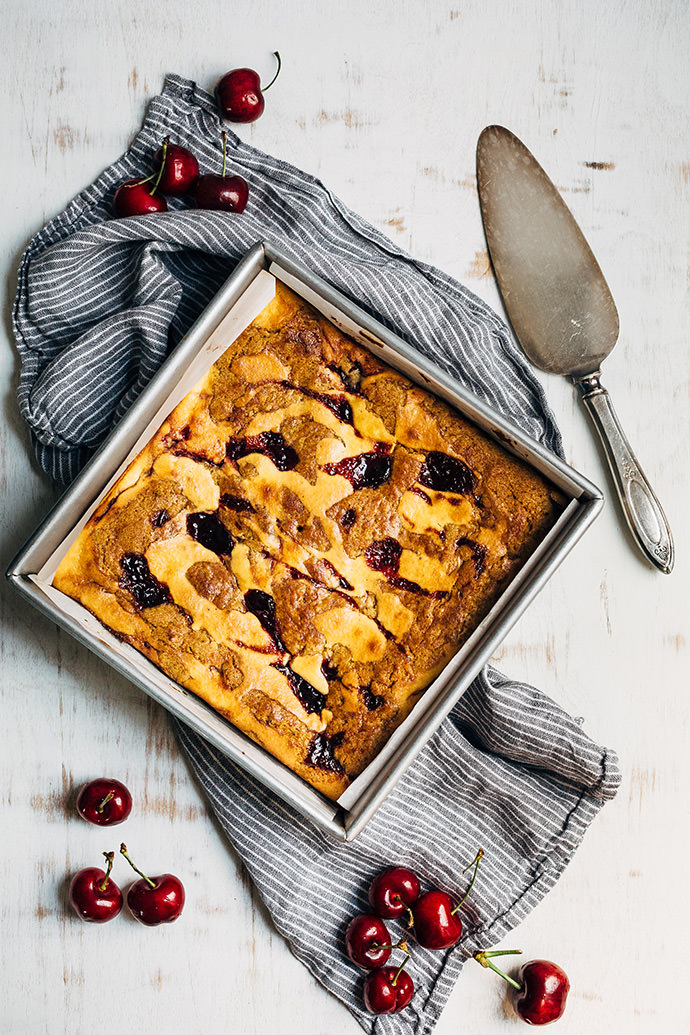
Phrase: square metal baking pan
(585, 501)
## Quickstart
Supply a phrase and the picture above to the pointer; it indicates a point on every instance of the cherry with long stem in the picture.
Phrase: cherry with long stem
(154, 900)
(240, 94)
(541, 990)
(436, 923)
(221, 193)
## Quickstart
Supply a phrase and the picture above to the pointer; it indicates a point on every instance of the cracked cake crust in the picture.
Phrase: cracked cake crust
(306, 541)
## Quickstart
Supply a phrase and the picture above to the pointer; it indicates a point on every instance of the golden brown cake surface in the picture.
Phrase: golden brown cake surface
(306, 541)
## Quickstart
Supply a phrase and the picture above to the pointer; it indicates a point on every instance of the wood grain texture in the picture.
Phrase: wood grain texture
(384, 102)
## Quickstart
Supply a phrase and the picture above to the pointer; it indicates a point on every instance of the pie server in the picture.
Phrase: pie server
(561, 309)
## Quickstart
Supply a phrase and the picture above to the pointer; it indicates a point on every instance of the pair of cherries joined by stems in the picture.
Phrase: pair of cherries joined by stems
(542, 987)
(93, 894)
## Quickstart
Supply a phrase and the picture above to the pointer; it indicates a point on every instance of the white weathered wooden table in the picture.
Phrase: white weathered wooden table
(384, 102)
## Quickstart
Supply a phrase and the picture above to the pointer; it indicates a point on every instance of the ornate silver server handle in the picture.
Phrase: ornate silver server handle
(642, 509)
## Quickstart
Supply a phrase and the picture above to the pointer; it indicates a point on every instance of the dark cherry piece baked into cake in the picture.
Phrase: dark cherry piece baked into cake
(306, 541)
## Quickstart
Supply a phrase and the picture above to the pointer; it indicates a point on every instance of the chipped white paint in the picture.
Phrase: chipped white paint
(384, 102)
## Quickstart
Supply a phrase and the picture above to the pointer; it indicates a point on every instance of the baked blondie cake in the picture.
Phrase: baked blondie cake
(306, 541)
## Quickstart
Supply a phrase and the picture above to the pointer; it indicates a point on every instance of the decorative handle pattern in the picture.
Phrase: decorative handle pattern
(641, 508)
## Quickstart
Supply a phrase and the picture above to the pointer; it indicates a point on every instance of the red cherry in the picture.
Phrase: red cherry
(239, 94)
(393, 892)
(179, 169)
(543, 992)
(158, 900)
(436, 926)
(132, 198)
(104, 802)
(367, 941)
(154, 900)
(227, 193)
(93, 895)
(221, 193)
(388, 990)
(436, 923)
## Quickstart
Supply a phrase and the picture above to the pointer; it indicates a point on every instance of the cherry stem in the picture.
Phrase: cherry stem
(162, 166)
(400, 969)
(140, 183)
(276, 55)
(483, 958)
(475, 862)
(109, 797)
(104, 883)
(225, 147)
(410, 918)
(398, 945)
(123, 851)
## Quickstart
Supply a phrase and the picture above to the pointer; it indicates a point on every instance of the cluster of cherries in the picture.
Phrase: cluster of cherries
(93, 894)
(240, 98)
(433, 921)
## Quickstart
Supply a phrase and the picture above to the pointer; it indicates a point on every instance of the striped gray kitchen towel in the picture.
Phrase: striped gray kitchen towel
(100, 304)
